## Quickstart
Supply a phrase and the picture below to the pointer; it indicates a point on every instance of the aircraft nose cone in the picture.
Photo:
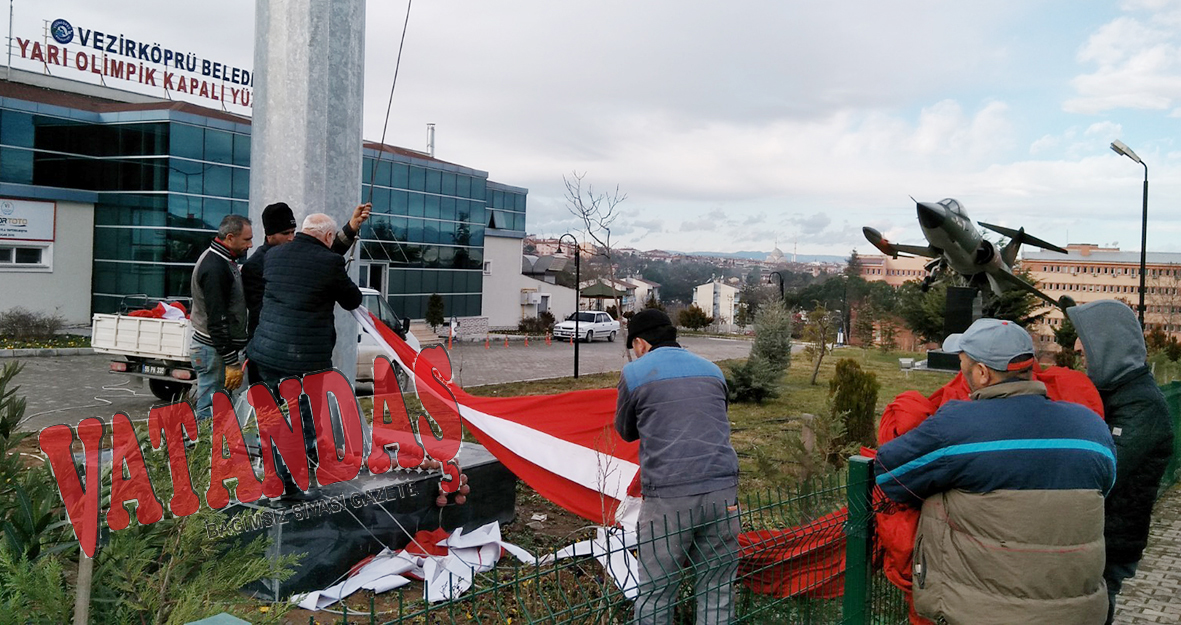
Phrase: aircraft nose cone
(931, 215)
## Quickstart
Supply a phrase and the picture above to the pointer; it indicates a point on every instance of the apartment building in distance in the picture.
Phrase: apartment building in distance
(1092, 272)
(892, 271)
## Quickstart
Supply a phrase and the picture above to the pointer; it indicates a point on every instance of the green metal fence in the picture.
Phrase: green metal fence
(1172, 392)
(789, 569)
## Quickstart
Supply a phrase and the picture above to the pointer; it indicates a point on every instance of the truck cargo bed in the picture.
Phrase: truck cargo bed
(142, 337)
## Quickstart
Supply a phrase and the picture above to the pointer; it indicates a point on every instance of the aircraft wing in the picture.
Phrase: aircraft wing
(1013, 281)
(894, 249)
(1021, 237)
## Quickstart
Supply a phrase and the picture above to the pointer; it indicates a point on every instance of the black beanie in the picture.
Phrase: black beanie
(277, 218)
(650, 323)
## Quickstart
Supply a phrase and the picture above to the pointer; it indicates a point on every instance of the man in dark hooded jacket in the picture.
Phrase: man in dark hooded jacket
(1138, 416)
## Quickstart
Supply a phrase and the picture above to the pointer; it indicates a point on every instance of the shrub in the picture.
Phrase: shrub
(854, 394)
(434, 311)
(772, 342)
(754, 381)
(1156, 339)
(19, 323)
(652, 303)
(694, 318)
(1173, 349)
(540, 324)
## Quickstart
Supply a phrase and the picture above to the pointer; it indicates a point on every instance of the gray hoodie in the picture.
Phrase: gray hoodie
(1137, 416)
(1112, 339)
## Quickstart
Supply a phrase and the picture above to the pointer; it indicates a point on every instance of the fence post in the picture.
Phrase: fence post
(858, 541)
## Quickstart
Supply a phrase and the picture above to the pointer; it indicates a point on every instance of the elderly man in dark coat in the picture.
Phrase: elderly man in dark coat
(305, 280)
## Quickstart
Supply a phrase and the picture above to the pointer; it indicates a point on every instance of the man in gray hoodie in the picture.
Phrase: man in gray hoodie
(1136, 413)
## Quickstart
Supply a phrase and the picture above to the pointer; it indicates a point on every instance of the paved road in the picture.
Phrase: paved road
(67, 389)
(1154, 594)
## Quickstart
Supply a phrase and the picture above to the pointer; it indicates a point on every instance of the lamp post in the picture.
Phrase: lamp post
(577, 291)
(780, 276)
(1119, 148)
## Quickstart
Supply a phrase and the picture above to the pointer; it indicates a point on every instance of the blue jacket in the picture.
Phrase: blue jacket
(674, 402)
(1011, 486)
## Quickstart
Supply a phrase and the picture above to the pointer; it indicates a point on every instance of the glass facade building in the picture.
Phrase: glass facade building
(164, 176)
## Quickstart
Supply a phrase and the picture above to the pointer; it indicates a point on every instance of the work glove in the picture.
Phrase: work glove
(233, 378)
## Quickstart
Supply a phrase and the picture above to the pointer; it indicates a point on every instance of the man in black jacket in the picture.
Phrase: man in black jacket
(305, 279)
(218, 317)
(1136, 413)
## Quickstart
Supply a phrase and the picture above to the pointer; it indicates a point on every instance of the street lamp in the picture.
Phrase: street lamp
(780, 276)
(1119, 148)
(577, 291)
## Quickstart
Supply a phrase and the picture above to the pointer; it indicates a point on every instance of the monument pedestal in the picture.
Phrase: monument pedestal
(343, 523)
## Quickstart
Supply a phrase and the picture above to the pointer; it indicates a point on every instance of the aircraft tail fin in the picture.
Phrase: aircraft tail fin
(1016, 238)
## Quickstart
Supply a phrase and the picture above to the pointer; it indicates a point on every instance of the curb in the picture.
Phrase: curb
(36, 352)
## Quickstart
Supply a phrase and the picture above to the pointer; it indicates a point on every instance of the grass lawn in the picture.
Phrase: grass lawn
(768, 427)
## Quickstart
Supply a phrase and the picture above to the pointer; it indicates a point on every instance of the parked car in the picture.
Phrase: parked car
(590, 326)
(367, 349)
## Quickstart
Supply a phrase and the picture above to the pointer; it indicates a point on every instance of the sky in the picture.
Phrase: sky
(750, 124)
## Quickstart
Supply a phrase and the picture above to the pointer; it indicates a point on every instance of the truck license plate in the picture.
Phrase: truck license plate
(155, 370)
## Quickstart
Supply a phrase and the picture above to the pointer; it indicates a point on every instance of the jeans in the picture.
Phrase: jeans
(1115, 574)
(700, 531)
(211, 377)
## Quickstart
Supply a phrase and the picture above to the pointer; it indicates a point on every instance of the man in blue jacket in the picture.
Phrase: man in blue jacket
(1011, 487)
(674, 402)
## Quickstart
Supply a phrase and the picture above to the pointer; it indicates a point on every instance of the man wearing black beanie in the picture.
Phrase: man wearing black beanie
(674, 402)
(278, 221)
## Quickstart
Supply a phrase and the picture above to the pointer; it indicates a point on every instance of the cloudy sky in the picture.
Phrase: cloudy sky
(734, 126)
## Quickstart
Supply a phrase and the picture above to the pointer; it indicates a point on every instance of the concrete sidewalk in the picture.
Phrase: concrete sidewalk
(1154, 594)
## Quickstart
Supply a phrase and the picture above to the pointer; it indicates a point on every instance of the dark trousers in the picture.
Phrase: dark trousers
(1115, 573)
(698, 532)
(272, 377)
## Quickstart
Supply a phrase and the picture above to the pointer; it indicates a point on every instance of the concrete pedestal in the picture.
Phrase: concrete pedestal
(348, 521)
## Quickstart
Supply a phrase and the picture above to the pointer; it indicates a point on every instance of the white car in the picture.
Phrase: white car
(591, 325)
(367, 348)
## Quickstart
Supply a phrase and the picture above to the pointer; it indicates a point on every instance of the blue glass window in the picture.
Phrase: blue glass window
(219, 146)
(401, 178)
(417, 178)
(186, 141)
(242, 150)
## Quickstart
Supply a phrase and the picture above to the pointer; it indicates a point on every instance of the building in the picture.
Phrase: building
(644, 291)
(720, 301)
(893, 271)
(518, 287)
(625, 289)
(118, 193)
(1091, 272)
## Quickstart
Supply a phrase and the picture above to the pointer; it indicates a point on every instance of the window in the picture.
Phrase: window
(487, 267)
(14, 256)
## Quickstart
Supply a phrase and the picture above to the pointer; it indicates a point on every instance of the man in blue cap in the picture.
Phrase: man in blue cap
(1011, 488)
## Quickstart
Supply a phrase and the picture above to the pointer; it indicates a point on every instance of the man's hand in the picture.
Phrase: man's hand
(233, 378)
(360, 214)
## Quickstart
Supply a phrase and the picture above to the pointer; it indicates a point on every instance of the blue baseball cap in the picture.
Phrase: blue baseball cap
(998, 344)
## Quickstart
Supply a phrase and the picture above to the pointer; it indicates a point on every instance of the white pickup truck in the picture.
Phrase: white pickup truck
(158, 349)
